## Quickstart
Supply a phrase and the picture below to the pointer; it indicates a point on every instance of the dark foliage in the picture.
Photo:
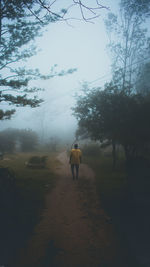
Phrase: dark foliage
(20, 24)
(37, 162)
(113, 115)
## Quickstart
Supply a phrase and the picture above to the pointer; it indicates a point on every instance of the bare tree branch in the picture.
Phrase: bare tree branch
(94, 10)
(33, 13)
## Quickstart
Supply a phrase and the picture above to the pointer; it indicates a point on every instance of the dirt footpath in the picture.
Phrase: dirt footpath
(74, 230)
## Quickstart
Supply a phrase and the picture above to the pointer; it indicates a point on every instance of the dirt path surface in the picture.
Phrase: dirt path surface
(74, 230)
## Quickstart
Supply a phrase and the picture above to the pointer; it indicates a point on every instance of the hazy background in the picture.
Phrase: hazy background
(80, 45)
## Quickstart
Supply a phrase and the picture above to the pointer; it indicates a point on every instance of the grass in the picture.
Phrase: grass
(31, 188)
(111, 184)
(129, 218)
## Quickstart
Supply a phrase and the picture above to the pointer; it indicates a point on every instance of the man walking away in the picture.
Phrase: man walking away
(75, 160)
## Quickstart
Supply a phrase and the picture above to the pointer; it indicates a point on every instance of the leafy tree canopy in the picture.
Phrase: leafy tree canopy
(141, 7)
(113, 115)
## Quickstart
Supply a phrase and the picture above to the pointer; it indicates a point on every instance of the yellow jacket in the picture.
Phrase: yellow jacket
(75, 156)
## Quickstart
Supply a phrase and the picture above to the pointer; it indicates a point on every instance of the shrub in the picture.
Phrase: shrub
(37, 161)
(91, 150)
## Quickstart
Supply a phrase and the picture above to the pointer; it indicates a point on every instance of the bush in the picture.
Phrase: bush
(37, 161)
(91, 150)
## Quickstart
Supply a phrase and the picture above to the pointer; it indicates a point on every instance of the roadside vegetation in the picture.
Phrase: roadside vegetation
(111, 184)
(22, 198)
(124, 193)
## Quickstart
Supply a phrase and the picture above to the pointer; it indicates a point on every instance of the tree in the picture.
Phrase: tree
(115, 116)
(28, 140)
(142, 7)
(53, 143)
(97, 114)
(20, 24)
(8, 141)
(81, 133)
(128, 41)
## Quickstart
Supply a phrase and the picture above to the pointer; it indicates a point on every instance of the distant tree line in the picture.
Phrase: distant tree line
(15, 139)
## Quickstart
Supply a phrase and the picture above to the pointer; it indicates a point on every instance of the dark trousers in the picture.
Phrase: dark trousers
(76, 172)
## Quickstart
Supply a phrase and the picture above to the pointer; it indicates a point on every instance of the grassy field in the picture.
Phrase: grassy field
(32, 184)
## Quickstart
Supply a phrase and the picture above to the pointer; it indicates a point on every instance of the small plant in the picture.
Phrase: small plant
(38, 162)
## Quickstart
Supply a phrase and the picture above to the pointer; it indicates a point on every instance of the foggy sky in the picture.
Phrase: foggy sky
(81, 45)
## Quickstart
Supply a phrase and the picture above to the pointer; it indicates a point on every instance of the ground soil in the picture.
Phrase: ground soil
(74, 230)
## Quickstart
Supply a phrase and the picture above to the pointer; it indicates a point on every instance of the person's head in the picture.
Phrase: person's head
(75, 146)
